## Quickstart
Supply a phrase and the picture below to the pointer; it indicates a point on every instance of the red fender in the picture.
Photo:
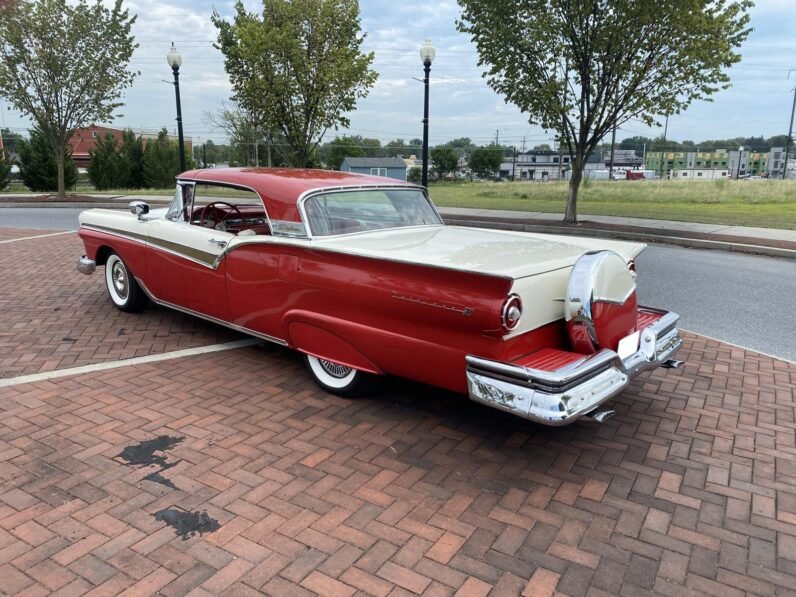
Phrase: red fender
(324, 344)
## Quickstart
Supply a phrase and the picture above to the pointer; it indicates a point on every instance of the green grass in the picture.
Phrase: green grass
(764, 203)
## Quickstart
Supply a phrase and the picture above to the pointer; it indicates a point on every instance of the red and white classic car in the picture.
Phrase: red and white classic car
(361, 275)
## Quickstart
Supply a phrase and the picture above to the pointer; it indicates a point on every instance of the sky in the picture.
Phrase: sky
(462, 105)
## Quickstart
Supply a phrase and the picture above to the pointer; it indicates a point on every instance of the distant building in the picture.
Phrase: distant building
(85, 139)
(735, 164)
(536, 165)
(624, 159)
(388, 167)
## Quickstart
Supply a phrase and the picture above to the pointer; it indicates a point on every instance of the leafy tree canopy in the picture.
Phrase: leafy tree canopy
(445, 160)
(298, 63)
(582, 67)
(341, 148)
(5, 171)
(65, 65)
(485, 161)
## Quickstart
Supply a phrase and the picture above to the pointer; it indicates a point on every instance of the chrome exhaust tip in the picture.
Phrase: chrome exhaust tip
(601, 416)
(672, 364)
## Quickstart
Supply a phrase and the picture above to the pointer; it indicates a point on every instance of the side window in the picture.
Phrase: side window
(231, 209)
(205, 194)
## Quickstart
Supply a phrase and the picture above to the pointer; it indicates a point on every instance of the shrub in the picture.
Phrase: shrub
(38, 168)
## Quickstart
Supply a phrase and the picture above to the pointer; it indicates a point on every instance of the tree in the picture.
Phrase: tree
(298, 63)
(64, 65)
(341, 148)
(38, 166)
(415, 175)
(104, 164)
(583, 67)
(131, 162)
(485, 161)
(161, 162)
(445, 160)
(542, 147)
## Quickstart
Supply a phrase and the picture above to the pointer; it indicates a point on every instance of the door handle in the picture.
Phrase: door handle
(220, 243)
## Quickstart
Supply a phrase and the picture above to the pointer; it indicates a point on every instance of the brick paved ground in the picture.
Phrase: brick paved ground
(52, 317)
(690, 489)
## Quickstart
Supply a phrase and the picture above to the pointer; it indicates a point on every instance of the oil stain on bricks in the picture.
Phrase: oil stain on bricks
(188, 524)
(143, 454)
(185, 524)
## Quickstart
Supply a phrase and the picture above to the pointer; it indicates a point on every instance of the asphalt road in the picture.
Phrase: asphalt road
(50, 218)
(742, 299)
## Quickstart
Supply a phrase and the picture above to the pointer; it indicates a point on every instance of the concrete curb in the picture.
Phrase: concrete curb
(693, 243)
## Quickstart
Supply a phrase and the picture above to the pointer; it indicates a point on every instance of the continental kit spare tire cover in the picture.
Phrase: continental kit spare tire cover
(601, 306)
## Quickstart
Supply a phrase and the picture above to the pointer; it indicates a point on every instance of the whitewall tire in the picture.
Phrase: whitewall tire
(338, 379)
(124, 291)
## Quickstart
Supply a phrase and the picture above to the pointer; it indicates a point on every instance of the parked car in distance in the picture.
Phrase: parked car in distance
(362, 277)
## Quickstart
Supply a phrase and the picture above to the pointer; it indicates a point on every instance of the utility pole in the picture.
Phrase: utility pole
(497, 137)
(613, 148)
(790, 133)
(665, 130)
(523, 145)
(268, 146)
(204, 154)
(513, 162)
(563, 124)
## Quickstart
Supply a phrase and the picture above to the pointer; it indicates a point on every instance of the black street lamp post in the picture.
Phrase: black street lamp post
(175, 61)
(427, 53)
(740, 157)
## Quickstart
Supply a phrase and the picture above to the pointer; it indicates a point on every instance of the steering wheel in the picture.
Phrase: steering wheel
(224, 217)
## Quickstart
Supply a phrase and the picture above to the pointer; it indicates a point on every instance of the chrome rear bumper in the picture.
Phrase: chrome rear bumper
(561, 397)
(86, 266)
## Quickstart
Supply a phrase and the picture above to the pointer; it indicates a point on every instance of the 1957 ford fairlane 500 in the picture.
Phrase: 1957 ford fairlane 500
(360, 274)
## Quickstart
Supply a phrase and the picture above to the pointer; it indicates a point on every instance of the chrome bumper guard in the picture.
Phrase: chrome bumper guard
(561, 397)
(86, 266)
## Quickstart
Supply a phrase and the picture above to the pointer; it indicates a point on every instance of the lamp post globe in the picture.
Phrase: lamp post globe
(174, 60)
(427, 54)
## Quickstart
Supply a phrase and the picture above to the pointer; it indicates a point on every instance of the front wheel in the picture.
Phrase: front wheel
(338, 379)
(124, 291)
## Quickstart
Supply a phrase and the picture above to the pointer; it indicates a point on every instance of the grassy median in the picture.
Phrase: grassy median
(765, 203)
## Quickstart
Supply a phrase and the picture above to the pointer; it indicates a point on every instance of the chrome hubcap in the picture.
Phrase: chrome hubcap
(119, 276)
(334, 369)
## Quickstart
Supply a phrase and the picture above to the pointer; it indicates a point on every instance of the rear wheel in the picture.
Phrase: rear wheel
(338, 379)
(124, 291)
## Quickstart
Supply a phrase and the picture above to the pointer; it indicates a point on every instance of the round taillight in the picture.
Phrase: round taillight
(512, 311)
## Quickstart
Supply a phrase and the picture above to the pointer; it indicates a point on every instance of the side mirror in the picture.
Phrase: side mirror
(138, 208)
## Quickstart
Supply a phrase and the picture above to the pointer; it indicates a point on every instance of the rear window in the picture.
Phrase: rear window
(345, 212)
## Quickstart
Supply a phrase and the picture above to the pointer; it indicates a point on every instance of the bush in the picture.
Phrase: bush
(415, 175)
(38, 168)
(104, 164)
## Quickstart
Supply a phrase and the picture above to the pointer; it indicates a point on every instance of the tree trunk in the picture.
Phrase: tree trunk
(59, 159)
(571, 214)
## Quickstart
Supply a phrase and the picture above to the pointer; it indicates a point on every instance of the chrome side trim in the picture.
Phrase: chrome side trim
(86, 266)
(210, 318)
(561, 397)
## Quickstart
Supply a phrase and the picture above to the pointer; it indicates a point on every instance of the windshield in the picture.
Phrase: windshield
(368, 209)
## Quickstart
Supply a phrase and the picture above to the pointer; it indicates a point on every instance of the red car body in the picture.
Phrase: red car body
(417, 301)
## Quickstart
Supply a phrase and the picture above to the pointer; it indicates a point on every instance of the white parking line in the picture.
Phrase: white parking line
(153, 358)
(13, 240)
